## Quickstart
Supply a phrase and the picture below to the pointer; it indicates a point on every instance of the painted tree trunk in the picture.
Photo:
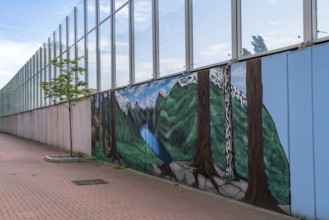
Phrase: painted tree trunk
(114, 154)
(203, 158)
(229, 172)
(95, 120)
(257, 193)
(102, 119)
(108, 143)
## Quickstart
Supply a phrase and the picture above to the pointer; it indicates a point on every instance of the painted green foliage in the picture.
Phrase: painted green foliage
(131, 146)
(100, 124)
(173, 120)
(177, 113)
(176, 125)
(217, 126)
(276, 164)
(67, 88)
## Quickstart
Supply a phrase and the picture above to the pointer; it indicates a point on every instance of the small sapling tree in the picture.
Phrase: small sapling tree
(67, 88)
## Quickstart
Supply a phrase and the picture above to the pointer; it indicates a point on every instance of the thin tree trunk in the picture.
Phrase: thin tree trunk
(94, 123)
(70, 122)
(257, 193)
(93, 130)
(203, 157)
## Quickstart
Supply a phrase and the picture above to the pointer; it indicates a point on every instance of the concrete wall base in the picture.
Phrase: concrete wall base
(50, 125)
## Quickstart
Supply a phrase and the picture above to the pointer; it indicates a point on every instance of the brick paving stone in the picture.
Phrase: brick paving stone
(31, 188)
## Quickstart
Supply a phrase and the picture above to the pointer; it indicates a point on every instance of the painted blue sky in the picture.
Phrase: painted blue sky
(24, 27)
(238, 76)
(147, 93)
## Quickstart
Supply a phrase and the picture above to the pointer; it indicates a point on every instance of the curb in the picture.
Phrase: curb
(68, 159)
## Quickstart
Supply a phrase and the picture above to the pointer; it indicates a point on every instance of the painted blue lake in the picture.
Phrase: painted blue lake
(156, 147)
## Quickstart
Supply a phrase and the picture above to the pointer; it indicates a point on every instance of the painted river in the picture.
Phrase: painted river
(157, 148)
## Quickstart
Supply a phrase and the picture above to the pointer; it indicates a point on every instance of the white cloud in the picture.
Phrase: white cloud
(105, 9)
(131, 89)
(239, 72)
(105, 43)
(277, 34)
(215, 50)
(240, 84)
(239, 76)
(64, 10)
(16, 28)
(143, 11)
(173, 82)
(143, 70)
(157, 83)
(168, 66)
(119, 3)
(123, 13)
(153, 97)
(121, 44)
(141, 89)
(13, 55)
(275, 39)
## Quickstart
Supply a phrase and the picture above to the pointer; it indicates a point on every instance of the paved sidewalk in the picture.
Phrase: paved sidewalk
(31, 188)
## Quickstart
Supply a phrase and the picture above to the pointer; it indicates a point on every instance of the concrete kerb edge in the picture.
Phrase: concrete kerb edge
(54, 159)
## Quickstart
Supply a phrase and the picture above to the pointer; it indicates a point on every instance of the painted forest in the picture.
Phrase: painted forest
(196, 129)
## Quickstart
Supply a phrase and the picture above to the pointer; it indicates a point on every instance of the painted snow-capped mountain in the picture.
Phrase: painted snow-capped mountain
(187, 80)
(135, 105)
(163, 93)
(123, 102)
(216, 76)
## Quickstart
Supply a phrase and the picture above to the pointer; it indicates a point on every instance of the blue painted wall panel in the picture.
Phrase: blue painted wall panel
(301, 133)
(275, 94)
(321, 128)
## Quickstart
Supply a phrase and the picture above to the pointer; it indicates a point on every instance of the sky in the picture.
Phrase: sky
(24, 26)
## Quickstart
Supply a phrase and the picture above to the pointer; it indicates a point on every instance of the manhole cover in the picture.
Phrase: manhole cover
(89, 182)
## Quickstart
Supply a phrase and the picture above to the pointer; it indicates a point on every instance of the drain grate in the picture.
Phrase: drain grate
(89, 182)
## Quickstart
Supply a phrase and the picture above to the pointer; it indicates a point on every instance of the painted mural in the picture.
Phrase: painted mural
(193, 129)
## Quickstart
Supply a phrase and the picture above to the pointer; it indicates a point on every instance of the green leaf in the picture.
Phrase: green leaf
(67, 87)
